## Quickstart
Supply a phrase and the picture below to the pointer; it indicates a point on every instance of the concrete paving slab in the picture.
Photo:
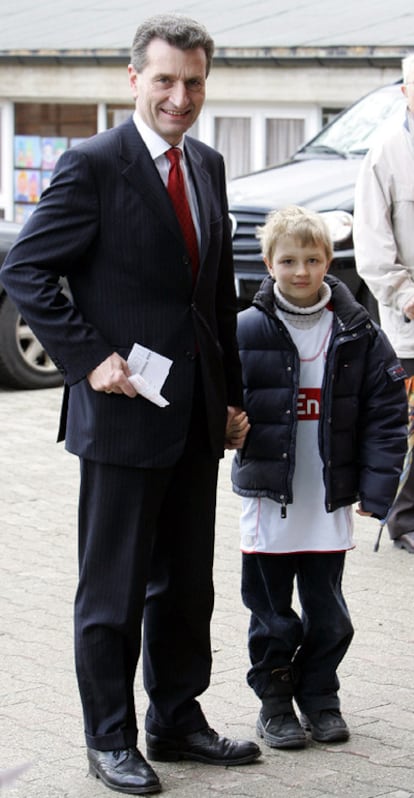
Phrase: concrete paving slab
(40, 716)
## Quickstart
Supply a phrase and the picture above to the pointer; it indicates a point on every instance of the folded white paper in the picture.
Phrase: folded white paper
(149, 370)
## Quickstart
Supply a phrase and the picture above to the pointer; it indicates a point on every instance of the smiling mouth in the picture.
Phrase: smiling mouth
(175, 113)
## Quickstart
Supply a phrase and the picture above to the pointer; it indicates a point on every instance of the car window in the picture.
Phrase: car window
(359, 127)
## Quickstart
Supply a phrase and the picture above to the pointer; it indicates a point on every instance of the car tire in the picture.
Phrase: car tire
(24, 363)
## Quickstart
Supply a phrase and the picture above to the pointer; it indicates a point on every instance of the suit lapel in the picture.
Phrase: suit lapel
(202, 184)
(142, 174)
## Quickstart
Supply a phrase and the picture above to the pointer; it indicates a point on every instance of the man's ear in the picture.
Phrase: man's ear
(133, 80)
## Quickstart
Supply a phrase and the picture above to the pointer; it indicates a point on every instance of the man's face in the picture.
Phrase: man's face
(170, 91)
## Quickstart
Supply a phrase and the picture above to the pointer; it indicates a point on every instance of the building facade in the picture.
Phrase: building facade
(261, 105)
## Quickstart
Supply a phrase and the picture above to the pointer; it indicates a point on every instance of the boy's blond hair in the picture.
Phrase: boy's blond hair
(306, 226)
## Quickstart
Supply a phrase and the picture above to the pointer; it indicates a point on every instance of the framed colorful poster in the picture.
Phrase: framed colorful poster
(27, 185)
(52, 149)
(21, 185)
(27, 152)
(34, 185)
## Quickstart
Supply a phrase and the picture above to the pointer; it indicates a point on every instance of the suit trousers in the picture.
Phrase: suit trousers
(146, 541)
(310, 647)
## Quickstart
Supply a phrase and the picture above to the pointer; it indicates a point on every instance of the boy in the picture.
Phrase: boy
(325, 397)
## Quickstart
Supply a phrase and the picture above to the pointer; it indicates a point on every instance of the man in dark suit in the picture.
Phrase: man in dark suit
(148, 473)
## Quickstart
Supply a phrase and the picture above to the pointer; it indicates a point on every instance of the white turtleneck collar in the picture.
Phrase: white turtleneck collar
(298, 316)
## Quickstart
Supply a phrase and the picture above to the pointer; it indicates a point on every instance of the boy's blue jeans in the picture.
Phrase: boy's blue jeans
(307, 648)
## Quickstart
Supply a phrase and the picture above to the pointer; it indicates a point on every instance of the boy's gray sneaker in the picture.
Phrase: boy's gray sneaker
(326, 726)
(281, 731)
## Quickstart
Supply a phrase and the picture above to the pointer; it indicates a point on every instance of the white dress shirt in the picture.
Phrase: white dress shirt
(157, 147)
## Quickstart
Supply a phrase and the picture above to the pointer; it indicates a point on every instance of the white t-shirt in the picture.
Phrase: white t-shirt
(307, 526)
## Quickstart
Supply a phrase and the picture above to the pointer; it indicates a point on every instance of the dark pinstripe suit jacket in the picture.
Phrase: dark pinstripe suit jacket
(107, 223)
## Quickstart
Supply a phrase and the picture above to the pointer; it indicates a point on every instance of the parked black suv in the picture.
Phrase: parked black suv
(321, 176)
(23, 361)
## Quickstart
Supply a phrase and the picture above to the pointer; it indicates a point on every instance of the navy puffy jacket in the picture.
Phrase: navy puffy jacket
(362, 428)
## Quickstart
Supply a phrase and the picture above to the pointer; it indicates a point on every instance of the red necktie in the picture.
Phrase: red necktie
(176, 190)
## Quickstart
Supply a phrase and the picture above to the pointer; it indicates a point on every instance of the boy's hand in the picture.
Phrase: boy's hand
(237, 428)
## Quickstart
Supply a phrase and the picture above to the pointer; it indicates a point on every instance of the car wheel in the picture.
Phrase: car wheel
(23, 361)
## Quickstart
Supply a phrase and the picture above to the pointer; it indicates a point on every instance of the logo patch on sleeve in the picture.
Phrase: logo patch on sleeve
(397, 372)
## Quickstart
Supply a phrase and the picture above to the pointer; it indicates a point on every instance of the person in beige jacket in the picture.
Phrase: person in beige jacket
(384, 251)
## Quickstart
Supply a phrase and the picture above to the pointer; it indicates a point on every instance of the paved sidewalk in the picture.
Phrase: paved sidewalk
(40, 717)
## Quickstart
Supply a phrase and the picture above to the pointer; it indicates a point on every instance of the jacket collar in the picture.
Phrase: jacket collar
(348, 311)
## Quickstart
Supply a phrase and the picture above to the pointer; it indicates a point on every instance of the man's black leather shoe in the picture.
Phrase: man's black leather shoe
(202, 746)
(125, 771)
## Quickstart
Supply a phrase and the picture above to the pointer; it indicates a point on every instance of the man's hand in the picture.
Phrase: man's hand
(237, 428)
(111, 376)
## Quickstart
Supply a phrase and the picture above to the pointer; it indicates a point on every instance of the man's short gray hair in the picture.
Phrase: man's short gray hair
(177, 30)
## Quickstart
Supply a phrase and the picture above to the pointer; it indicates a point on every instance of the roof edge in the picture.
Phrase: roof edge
(227, 56)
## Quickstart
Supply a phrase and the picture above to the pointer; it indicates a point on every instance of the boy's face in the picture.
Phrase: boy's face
(298, 270)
